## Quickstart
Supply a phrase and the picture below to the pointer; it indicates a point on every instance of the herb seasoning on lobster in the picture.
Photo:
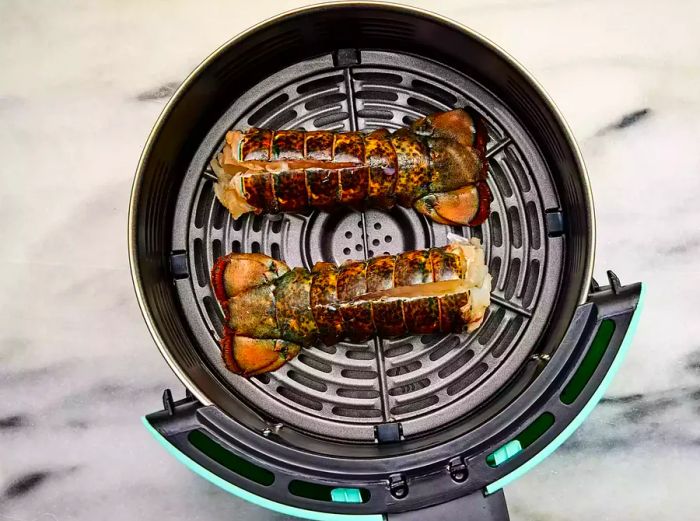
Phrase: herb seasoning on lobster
(437, 165)
(273, 311)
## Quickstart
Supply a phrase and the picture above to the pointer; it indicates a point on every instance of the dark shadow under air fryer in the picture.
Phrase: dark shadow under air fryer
(357, 67)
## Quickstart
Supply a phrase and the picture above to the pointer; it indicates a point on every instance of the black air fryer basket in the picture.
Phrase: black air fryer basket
(425, 427)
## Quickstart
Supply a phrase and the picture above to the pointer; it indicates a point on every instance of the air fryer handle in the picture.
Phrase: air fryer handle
(474, 507)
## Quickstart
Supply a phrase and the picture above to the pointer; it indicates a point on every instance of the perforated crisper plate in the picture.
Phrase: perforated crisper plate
(423, 382)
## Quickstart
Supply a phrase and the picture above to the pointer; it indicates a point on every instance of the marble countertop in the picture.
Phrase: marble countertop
(81, 84)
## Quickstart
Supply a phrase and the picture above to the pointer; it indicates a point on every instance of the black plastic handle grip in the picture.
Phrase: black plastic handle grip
(474, 507)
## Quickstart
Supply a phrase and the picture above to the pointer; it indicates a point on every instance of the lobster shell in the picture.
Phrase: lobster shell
(438, 166)
(415, 292)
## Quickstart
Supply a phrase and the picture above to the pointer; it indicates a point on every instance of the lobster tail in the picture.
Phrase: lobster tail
(272, 311)
(440, 156)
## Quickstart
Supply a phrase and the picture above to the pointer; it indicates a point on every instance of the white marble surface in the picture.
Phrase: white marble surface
(78, 368)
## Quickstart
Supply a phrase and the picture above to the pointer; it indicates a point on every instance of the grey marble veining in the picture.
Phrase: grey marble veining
(81, 84)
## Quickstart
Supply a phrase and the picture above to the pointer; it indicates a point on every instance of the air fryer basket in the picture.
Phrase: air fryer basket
(422, 382)
(353, 67)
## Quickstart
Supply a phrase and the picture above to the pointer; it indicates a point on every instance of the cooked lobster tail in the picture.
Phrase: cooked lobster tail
(273, 311)
(438, 166)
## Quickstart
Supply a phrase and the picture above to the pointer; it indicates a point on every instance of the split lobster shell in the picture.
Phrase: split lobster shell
(437, 165)
(273, 311)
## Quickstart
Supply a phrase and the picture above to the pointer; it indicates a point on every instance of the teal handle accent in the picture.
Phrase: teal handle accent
(346, 495)
(579, 419)
(253, 498)
(505, 452)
